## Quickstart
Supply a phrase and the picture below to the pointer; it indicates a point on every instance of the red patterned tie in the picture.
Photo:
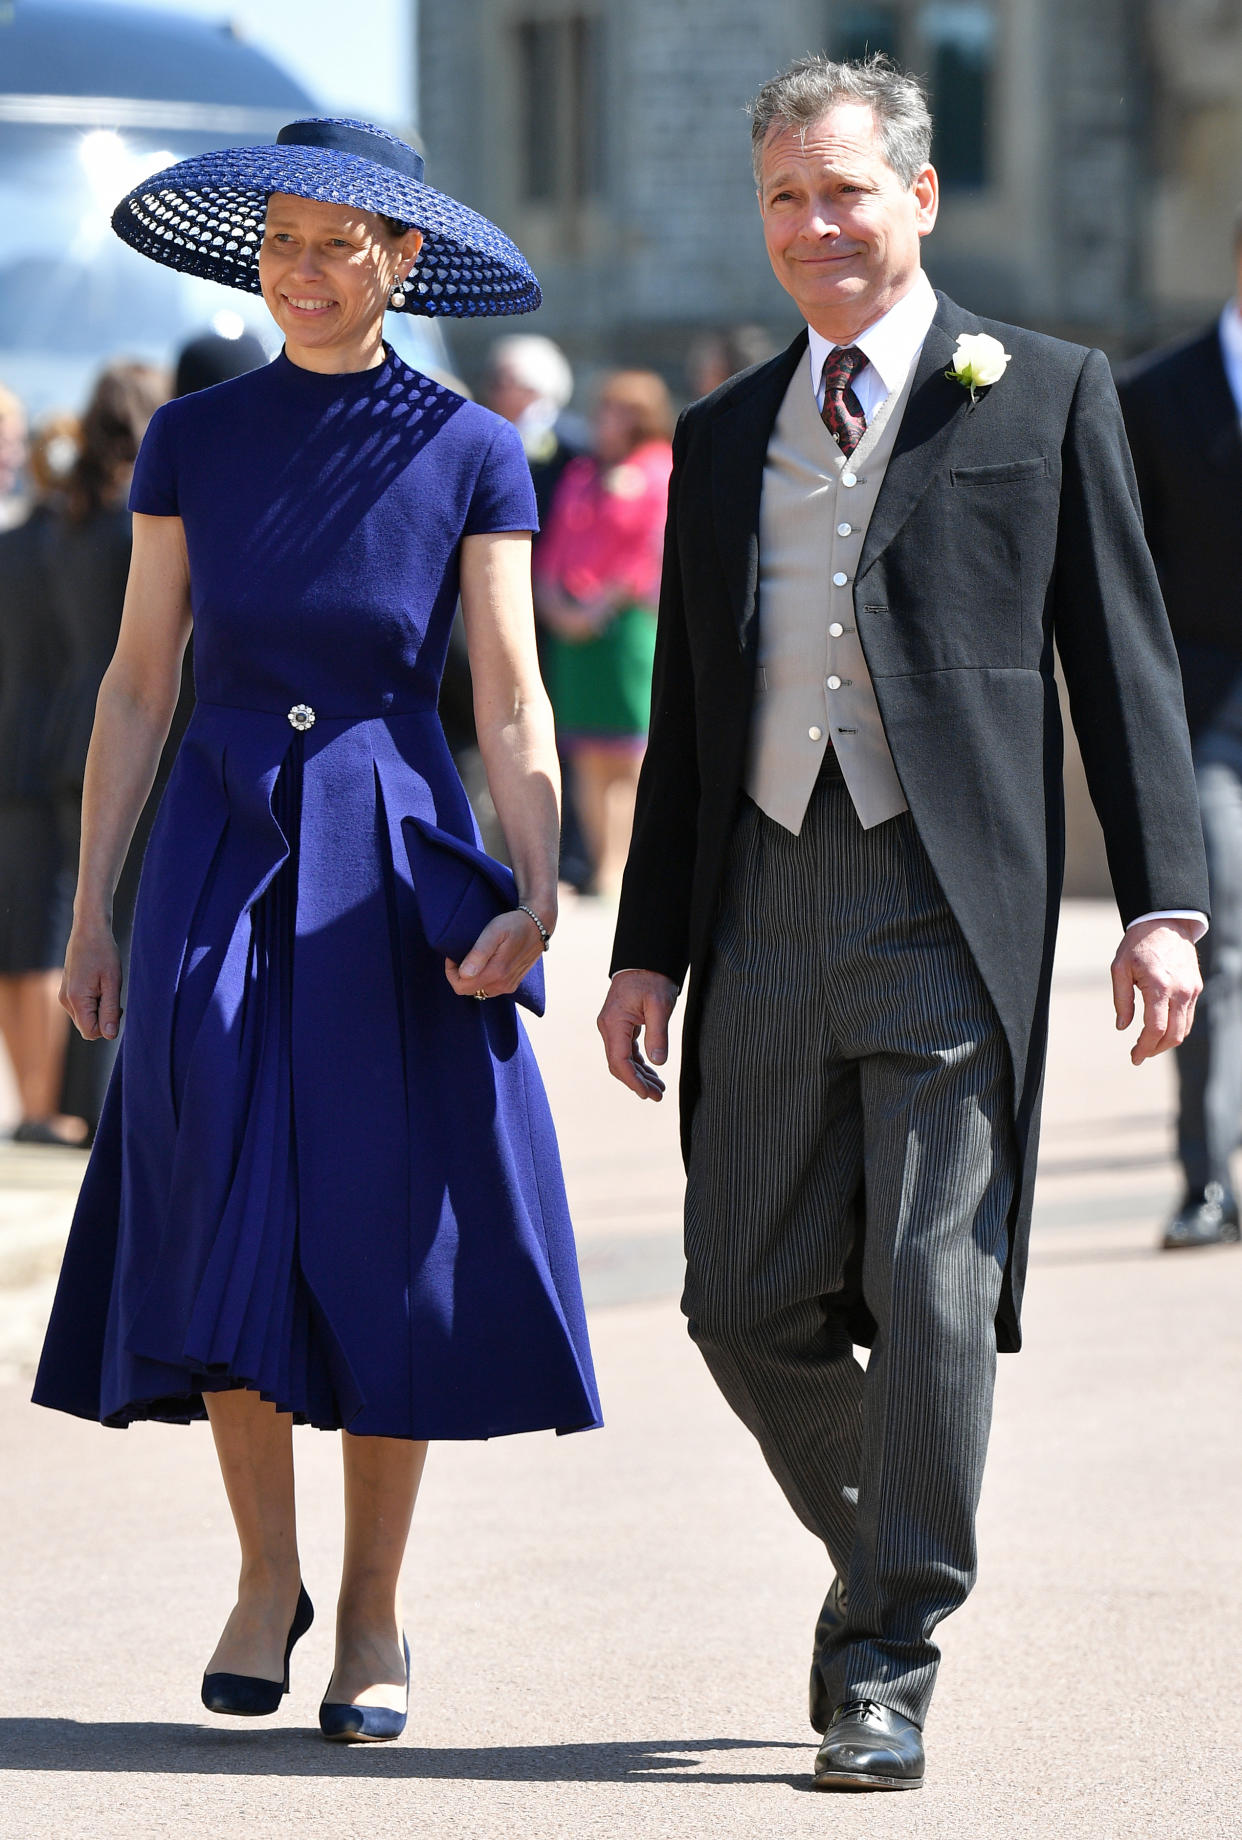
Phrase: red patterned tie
(842, 412)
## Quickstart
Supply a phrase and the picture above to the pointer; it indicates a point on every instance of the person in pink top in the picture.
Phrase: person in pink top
(597, 583)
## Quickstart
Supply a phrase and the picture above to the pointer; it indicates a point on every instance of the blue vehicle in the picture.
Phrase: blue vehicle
(93, 97)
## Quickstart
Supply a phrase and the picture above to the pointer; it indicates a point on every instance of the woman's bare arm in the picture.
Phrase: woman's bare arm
(133, 714)
(518, 743)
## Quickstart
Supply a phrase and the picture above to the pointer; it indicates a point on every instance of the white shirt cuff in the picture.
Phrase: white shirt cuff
(1177, 913)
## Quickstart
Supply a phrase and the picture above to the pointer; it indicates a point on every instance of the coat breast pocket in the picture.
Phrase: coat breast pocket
(967, 578)
(1004, 473)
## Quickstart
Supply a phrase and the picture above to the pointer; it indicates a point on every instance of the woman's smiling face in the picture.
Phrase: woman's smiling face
(326, 271)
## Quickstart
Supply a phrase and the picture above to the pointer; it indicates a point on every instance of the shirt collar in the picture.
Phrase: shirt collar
(893, 343)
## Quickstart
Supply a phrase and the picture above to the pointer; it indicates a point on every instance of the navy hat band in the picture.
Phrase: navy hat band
(344, 139)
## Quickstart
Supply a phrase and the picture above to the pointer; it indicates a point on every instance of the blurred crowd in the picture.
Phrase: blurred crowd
(602, 490)
(64, 560)
(601, 483)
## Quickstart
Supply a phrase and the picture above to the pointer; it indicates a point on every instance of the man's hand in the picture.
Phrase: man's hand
(1157, 958)
(637, 1000)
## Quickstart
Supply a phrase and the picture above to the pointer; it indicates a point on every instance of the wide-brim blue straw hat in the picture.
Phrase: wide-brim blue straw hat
(205, 216)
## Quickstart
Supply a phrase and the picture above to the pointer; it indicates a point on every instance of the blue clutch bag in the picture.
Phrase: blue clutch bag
(459, 888)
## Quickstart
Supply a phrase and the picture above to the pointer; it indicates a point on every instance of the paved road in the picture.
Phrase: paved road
(610, 1631)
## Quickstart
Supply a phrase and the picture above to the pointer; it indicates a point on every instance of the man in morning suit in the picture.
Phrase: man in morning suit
(1182, 408)
(850, 831)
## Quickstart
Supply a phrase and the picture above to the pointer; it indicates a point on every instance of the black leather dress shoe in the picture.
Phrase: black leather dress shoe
(1207, 1219)
(828, 1631)
(869, 1746)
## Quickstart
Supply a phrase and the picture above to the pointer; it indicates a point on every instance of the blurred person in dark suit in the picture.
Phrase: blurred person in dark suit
(529, 381)
(91, 570)
(1182, 406)
(33, 918)
(88, 553)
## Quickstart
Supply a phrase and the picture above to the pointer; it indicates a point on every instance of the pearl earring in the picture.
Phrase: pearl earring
(397, 296)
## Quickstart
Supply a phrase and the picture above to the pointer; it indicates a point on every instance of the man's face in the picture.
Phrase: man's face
(842, 230)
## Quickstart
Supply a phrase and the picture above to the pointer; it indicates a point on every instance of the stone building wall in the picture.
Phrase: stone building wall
(1114, 166)
(1115, 156)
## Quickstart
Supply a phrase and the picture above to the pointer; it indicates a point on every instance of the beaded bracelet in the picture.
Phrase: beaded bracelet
(532, 915)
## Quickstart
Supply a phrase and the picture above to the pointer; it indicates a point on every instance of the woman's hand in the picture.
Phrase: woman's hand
(499, 958)
(91, 987)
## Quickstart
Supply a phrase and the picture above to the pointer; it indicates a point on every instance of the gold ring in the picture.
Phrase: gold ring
(481, 996)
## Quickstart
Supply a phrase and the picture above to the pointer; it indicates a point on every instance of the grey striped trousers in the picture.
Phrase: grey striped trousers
(855, 1077)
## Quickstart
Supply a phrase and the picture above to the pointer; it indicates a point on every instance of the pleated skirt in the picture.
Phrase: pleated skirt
(319, 1173)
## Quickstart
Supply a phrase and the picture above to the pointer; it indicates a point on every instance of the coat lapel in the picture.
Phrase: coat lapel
(740, 436)
(933, 416)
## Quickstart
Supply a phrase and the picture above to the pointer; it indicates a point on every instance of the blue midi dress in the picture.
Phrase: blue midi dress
(319, 1173)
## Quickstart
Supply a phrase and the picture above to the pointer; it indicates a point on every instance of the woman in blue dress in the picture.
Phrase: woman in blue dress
(325, 1187)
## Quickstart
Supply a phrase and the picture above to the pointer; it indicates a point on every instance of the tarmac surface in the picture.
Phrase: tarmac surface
(611, 1631)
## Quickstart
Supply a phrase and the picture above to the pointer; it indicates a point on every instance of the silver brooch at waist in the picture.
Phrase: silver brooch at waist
(301, 716)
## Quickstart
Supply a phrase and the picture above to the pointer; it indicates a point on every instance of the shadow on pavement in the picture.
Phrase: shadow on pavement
(116, 1747)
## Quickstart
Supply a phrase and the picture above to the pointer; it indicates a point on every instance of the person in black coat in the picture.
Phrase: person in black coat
(88, 551)
(1182, 407)
(34, 917)
(89, 563)
(870, 554)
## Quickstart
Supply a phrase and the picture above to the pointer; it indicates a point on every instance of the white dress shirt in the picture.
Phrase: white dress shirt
(892, 346)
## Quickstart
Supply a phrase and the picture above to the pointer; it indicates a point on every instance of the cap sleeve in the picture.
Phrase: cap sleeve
(504, 494)
(153, 489)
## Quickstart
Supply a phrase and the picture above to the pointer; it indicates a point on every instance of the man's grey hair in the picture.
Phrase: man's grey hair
(803, 94)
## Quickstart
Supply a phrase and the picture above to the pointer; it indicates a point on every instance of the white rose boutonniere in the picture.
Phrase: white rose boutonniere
(979, 361)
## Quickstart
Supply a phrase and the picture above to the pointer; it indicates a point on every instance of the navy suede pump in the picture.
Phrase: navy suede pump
(365, 1724)
(246, 1696)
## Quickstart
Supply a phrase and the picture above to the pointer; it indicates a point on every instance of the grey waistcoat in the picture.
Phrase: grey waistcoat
(812, 680)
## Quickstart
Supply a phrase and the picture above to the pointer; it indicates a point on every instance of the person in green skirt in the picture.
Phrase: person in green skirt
(597, 583)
